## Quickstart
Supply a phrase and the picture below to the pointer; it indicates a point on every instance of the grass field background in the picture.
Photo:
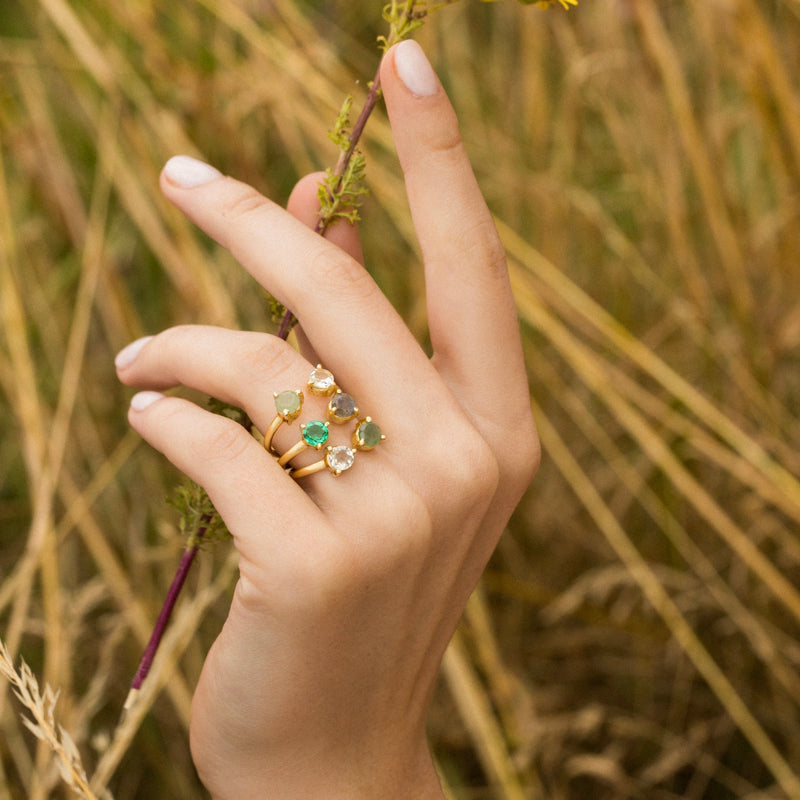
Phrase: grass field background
(637, 634)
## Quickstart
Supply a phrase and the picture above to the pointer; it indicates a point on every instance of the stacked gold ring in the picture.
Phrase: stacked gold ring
(341, 409)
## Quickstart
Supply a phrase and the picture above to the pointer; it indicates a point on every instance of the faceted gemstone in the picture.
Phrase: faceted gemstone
(321, 381)
(368, 434)
(340, 458)
(342, 407)
(288, 403)
(315, 433)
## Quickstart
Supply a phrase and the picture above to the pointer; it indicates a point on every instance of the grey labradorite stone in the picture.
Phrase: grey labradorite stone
(342, 407)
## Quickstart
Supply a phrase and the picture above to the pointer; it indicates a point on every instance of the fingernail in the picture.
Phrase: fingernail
(188, 172)
(414, 69)
(143, 400)
(128, 354)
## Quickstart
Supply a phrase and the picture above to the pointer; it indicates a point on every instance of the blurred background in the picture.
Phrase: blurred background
(637, 632)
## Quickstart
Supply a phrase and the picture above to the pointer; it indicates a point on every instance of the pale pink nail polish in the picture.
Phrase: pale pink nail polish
(143, 400)
(128, 354)
(414, 69)
(188, 172)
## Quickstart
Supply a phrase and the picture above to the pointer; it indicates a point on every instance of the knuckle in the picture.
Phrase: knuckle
(244, 204)
(481, 242)
(485, 239)
(479, 468)
(266, 357)
(226, 443)
(469, 477)
(339, 274)
(448, 143)
(527, 462)
(522, 461)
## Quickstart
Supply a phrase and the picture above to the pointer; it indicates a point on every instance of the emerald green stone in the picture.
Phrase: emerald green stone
(315, 433)
(369, 434)
(288, 403)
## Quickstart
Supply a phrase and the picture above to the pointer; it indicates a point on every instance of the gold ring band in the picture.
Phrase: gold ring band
(337, 460)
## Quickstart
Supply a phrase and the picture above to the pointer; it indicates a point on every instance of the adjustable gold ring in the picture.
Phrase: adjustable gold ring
(313, 434)
(288, 405)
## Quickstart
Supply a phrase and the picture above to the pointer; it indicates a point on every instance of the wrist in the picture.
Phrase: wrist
(303, 780)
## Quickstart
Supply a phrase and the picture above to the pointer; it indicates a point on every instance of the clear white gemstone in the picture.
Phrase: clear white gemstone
(340, 458)
(321, 379)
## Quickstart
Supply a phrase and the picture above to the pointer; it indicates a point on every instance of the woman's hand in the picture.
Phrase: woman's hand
(350, 587)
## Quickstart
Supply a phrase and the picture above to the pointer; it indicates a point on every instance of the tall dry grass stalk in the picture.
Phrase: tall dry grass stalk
(638, 632)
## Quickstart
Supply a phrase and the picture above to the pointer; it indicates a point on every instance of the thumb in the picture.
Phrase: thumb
(304, 204)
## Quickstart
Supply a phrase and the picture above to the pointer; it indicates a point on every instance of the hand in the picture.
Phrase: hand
(350, 587)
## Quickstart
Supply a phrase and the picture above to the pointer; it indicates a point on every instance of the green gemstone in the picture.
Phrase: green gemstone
(315, 433)
(288, 403)
(369, 434)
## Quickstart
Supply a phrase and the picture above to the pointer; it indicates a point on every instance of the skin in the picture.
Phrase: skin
(350, 587)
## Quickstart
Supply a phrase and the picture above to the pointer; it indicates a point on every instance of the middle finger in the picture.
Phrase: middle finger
(347, 319)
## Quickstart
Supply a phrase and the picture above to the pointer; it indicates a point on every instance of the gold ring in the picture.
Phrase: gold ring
(337, 460)
(366, 436)
(288, 405)
(313, 434)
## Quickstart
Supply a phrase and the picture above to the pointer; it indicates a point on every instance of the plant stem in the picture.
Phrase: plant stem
(289, 320)
(355, 136)
(187, 559)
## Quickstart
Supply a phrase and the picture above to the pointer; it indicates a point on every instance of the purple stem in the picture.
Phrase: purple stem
(288, 321)
(166, 611)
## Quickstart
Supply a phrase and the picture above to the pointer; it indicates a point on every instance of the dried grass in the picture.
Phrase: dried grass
(638, 632)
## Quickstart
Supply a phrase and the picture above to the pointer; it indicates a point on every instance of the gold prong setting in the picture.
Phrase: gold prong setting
(288, 405)
(341, 409)
(321, 382)
(367, 434)
(313, 434)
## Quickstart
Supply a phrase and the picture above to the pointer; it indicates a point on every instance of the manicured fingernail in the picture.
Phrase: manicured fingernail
(188, 172)
(128, 354)
(414, 69)
(143, 400)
